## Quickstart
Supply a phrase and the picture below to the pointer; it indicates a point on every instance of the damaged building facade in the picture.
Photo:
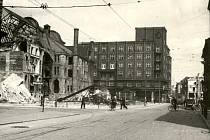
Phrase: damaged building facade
(39, 56)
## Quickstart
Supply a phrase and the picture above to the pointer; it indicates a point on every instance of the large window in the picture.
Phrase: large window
(148, 73)
(120, 65)
(130, 48)
(138, 65)
(139, 48)
(148, 48)
(139, 56)
(56, 70)
(130, 56)
(130, 74)
(95, 49)
(121, 57)
(70, 72)
(148, 65)
(157, 67)
(103, 49)
(56, 86)
(120, 73)
(95, 74)
(70, 62)
(103, 66)
(148, 56)
(111, 66)
(112, 57)
(112, 49)
(58, 58)
(158, 49)
(103, 57)
(130, 65)
(121, 48)
(138, 73)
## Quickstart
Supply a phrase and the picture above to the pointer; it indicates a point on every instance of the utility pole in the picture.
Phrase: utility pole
(1, 4)
(159, 91)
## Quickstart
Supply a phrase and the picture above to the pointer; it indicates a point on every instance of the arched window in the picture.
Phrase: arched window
(56, 86)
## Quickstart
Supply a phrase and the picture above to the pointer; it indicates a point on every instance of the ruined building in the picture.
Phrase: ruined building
(39, 56)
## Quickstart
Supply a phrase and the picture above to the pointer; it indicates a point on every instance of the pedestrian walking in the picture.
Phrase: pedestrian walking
(83, 102)
(113, 103)
(122, 103)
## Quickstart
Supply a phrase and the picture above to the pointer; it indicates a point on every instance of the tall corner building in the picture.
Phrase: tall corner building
(134, 69)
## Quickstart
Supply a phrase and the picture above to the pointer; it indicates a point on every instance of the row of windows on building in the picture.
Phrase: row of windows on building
(122, 57)
(68, 59)
(130, 48)
(130, 84)
(129, 65)
(129, 74)
(66, 73)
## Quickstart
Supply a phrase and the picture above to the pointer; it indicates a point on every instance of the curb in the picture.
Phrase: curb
(205, 121)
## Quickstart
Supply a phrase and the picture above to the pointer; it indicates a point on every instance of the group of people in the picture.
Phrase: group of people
(113, 103)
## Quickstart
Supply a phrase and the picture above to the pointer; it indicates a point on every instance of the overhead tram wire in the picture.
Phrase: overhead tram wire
(125, 3)
(45, 6)
(118, 15)
(62, 19)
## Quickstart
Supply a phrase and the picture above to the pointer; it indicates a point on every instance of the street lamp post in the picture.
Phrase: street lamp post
(159, 94)
(145, 97)
(145, 92)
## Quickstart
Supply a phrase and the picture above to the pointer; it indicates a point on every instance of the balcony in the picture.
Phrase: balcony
(157, 60)
(157, 69)
(157, 50)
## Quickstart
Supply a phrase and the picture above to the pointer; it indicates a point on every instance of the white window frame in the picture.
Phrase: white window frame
(138, 65)
(139, 56)
(112, 66)
(103, 66)
(148, 65)
(148, 56)
(148, 48)
(130, 65)
(120, 65)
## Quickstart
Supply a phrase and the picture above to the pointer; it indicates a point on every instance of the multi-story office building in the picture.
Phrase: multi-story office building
(141, 68)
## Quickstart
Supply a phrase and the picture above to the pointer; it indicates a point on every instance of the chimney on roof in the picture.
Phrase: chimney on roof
(47, 29)
(76, 36)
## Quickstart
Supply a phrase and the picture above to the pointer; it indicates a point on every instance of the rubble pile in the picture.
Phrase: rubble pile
(14, 90)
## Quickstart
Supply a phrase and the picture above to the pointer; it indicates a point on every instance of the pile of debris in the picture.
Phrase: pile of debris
(12, 89)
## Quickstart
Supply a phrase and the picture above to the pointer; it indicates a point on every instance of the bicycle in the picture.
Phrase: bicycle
(171, 108)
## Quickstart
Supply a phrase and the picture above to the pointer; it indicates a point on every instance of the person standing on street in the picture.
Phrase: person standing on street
(83, 102)
(174, 103)
(122, 103)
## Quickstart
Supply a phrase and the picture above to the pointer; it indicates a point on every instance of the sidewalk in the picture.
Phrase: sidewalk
(206, 121)
(18, 115)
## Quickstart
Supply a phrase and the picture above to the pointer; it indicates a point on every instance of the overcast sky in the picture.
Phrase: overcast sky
(186, 21)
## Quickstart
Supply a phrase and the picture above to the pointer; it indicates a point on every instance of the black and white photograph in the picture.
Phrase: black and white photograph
(105, 70)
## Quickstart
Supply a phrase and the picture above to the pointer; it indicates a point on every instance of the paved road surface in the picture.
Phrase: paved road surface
(154, 123)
